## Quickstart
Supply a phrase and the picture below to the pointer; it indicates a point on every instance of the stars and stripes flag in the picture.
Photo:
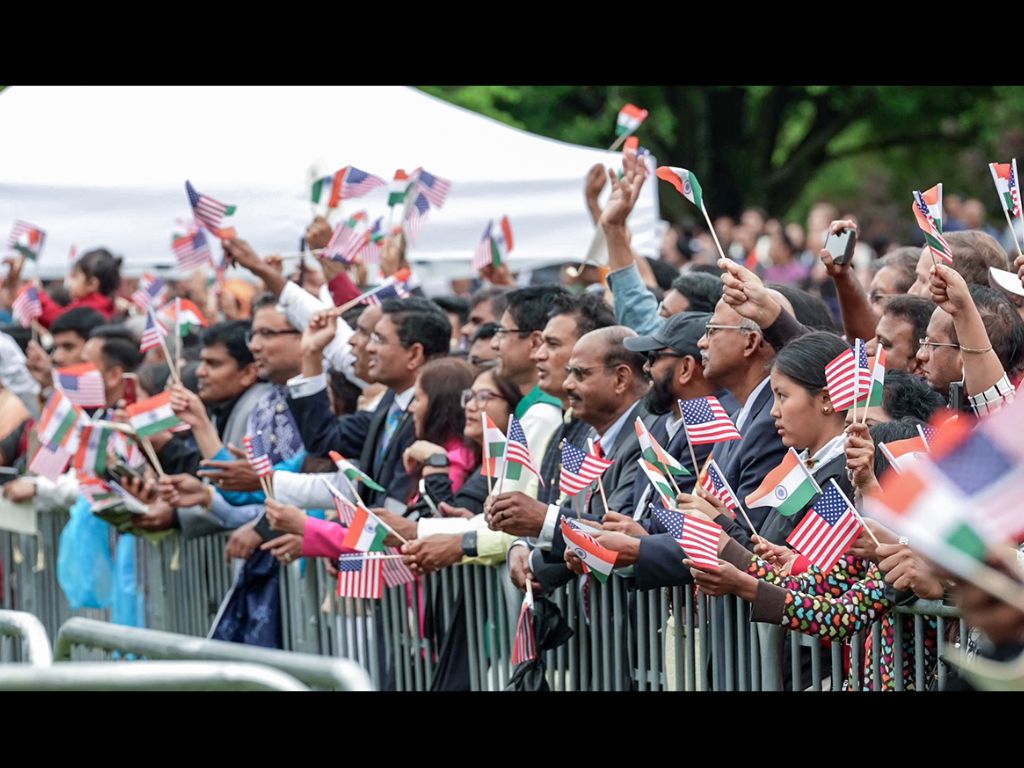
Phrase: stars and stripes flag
(848, 377)
(579, 469)
(189, 246)
(714, 482)
(356, 183)
(370, 254)
(152, 292)
(434, 187)
(415, 215)
(256, 453)
(210, 213)
(932, 236)
(395, 287)
(346, 509)
(154, 333)
(927, 433)
(27, 306)
(697, 537)
(396, 572)
(483, 256)
(27, 239)
(706, 421)
(83, 384)
(347, 239)
(517, 452)
(525, 646)
(828, 529)
(49, 462)
(360, 576)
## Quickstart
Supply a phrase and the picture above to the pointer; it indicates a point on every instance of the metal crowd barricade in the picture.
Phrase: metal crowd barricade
(23, 639)
(148, 676)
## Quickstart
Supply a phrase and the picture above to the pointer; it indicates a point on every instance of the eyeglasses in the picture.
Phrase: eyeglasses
(266, 334)
(710, 328)
(502, 331)
(925, 342)
(653, 357)
(482, 396)
(484, 364)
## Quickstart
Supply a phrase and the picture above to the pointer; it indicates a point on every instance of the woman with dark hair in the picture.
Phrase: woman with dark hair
(93, 282)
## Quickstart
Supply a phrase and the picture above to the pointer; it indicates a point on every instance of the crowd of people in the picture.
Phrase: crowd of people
(406, 389)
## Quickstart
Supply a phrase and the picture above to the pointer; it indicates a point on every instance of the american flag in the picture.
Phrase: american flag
(27, 239)
(482, 257)
(841, 376)
(391, 289)
(827, 530)
(714, 482)
(346, 240)
(396, 572)
(154, 332)
(357, 183)
(152, 292)
(210, 212)
(697, 537)
(517, 450)
(50, 462)
(27, 306)
(525, 647)
(190, 248)
(83, 385)
(928, 433)
(706, 421)
(415, 215)
(256, 453)
(360, 576)
(434, 187)
(371, 251)
(579, 469)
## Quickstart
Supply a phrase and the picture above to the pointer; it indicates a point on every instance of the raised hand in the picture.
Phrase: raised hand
(625, 191)
(835, 228)
(949, 289)
(744, 292)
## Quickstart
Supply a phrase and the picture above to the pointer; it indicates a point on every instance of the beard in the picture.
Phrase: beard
(660, 398)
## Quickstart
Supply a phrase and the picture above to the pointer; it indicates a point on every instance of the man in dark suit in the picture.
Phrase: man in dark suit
(605, 387)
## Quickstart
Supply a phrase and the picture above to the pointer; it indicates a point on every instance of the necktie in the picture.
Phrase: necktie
(598, 450)
(390, 425)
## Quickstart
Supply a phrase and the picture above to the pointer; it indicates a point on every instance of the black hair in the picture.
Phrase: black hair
(888, 432)
(455, 305)
(496, 294)
(444, 380)
(904, 261)
(80, 321)
(346, 394)
(230, 333)
(120, 351)
(420, 321)
(916, 310)
(113, 331)
(485, 331)
(1003, 325)
(589, 309)
(351, 316)
(702, 290)
(708, 269)
(805, 357)
(60, 295)
(904, 394)
(104, 266)
(529, 307)
(264, 300)
(664, 273)
(153, 377)
(507, 389)
(807, 308)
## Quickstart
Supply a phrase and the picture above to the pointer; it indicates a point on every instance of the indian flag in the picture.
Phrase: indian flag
(59, 421)
(399, 188)
(367, 532)
(788, 488)
(353, 473)
(494, 448)
(152, 415)
(630, 118)
(327, 190)
(901, 453)
(933, 197)
(501, 243)
(596, 559)
(659, 482)
(652, 452)
(1007, 186)
(183, 314)
(685, 183)
(91, 456)
(874, 397)
(932, 236)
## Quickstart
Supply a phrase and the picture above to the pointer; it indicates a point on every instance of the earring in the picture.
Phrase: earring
(826, 410)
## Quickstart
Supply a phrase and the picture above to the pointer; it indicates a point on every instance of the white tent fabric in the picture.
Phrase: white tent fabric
(106, 166)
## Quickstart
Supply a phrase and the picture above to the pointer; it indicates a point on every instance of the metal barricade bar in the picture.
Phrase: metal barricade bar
(147, 676)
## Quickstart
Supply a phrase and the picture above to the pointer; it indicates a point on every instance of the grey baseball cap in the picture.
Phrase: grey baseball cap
(680, 333)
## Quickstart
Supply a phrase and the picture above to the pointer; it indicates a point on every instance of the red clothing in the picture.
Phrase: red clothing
(342, 289)
(52, 310)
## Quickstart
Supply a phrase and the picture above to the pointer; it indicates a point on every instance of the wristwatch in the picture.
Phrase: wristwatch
(439, 460)
(469, 544)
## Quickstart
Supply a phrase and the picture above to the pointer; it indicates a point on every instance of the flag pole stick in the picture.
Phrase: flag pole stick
(862, 522)
(618, 142)
(148, 448)
(171, 363)
(391, 530)
(487, 453)
(604, 498)
(1013, 232)
(693, 456)
(713, 233)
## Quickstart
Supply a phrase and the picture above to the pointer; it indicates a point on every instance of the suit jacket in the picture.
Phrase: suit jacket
(388, 470)
(323, 432)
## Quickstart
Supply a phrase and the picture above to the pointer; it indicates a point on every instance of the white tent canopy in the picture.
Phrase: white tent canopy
(106, 166)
